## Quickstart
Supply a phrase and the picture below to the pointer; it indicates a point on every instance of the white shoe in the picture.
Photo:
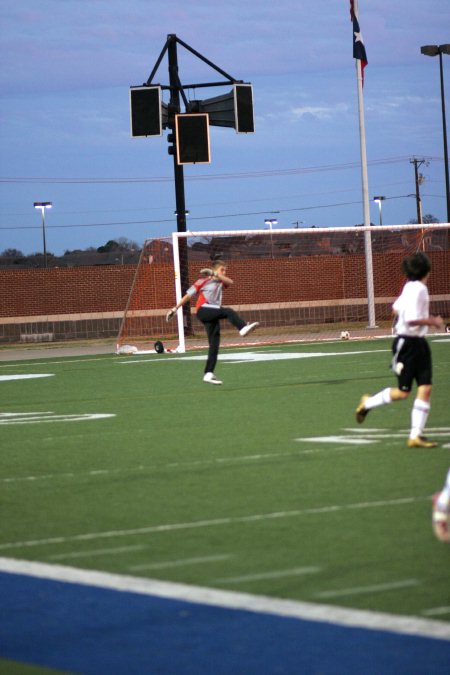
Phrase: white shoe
(210, 378)
(248, 328)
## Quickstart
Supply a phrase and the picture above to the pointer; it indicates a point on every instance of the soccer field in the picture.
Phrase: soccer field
(265, 485)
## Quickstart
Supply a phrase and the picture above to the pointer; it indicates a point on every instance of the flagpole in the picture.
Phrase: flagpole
(365, 193)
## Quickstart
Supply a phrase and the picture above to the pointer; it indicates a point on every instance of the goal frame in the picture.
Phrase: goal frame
(365, 230)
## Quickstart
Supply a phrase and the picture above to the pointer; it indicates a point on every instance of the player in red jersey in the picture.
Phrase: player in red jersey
(210, 312)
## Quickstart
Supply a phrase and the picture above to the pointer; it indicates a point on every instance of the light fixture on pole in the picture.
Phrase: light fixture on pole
(378, 201)
(42, 206)
(438, 50)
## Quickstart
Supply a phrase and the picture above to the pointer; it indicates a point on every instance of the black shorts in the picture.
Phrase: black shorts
(411, 361)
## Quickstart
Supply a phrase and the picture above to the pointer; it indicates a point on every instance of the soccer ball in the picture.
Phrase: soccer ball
(345, 335)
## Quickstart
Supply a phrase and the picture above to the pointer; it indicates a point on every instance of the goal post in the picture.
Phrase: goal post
(299, 284)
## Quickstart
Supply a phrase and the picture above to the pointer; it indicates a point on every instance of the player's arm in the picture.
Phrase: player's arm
(171, 313)
(223, 278)
(432, 321)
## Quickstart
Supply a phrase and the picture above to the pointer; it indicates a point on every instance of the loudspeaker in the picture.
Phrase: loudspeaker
(145, 111)
(243, 109)
(234, 109)
(192, 138)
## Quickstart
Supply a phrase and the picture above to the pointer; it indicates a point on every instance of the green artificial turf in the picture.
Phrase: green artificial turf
(222, 486)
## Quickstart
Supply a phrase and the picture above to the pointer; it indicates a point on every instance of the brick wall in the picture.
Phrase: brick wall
(88, 302)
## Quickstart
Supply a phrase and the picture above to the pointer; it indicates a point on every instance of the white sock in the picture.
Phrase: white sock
(419, 416)
(443, 503)
(382, 398)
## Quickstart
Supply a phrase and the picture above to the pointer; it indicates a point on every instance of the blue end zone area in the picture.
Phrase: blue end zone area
(96, 631)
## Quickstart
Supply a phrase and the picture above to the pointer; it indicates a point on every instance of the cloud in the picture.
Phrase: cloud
(319, 112)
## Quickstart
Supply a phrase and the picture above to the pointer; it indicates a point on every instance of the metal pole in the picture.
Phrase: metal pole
(179, 175)
(43, 235)
(444, 125)
(365, 197)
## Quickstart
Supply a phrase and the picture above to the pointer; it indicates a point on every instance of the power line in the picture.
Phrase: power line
(172, 220)
(208, 177)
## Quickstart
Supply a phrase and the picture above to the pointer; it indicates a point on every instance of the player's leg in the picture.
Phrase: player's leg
(401, 366)
(234, 318)
(421, 406)
(210, 317)
(441, 512)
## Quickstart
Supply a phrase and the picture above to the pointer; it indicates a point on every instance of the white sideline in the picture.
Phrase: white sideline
(405, 625)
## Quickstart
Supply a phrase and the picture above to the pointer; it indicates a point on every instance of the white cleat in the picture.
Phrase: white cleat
(248, 328)
(210, 378)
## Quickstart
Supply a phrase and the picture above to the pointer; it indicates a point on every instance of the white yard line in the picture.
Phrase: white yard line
(95, 552)
(406, 625)
(180, 563)
(8, 378)
(215, 522)
(346, 443)
(275, 574)
(436, 611)
(218, 461)
(361, 590)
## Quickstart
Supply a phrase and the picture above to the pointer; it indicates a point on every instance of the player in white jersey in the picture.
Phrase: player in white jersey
(411, 352)
(209, 290)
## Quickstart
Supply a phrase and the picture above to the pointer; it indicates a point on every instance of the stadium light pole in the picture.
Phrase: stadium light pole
(378, 201)
(42, 206)
(438, 50)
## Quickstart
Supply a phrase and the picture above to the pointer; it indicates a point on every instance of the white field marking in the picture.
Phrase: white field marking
(363, 430)
(377, 588)
(95, 552)
(276, 574)
(7, 378)
(436, 611)
(329, 614)
(47, 362)
(39, 417)
(214, 522)
(346, 440)
(253, 357)
(180, 563)
(218, 461)
(368, 436)
(438, 431)
(433, 430)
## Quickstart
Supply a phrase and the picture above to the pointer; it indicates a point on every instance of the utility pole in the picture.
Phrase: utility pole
(419, 179)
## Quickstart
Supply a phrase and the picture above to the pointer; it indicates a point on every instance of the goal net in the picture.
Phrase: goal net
(299, 284)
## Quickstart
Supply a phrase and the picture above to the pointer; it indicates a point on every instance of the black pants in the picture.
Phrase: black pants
(413, 354)
(210, 318)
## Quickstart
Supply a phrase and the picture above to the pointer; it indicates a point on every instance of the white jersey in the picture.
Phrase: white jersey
(412, 304)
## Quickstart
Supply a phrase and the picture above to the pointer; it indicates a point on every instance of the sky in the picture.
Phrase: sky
(67, 66)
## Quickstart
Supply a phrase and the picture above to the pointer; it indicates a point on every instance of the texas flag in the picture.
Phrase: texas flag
(359, 50)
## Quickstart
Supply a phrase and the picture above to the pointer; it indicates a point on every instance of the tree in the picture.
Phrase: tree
(427, 219)
(110, 245)
(11, 253)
